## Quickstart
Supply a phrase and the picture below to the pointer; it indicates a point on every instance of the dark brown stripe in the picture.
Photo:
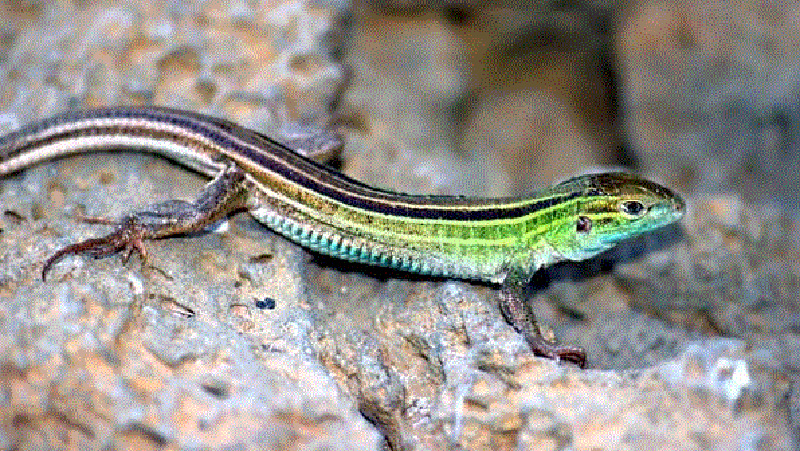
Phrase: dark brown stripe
(276, 158)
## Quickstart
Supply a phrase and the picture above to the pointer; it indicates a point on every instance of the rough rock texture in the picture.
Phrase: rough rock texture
(711, 93)
(237, 339)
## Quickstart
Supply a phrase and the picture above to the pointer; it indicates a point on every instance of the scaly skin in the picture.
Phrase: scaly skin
(501, 240)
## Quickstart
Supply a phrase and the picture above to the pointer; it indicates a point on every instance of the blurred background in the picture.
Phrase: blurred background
(481, 98)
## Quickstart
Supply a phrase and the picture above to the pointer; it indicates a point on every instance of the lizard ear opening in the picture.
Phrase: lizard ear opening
(584, 225)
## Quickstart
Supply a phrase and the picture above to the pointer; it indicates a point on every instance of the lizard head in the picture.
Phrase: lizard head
(608, 209)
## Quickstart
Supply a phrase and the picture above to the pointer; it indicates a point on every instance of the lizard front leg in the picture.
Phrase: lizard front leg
(520, 315)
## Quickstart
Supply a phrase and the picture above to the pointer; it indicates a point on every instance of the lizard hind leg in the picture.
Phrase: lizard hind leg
(128, 237)
(224, 195)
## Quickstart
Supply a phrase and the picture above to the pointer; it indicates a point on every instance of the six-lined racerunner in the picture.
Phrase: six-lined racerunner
(498, 240)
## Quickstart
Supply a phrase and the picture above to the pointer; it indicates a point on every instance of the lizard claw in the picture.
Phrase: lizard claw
(572, 354)
(128, 238)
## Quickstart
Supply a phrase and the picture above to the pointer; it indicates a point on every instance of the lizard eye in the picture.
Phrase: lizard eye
(632, 208)
(584, 225)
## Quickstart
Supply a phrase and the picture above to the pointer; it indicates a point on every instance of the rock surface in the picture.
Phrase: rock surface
(238, 339)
